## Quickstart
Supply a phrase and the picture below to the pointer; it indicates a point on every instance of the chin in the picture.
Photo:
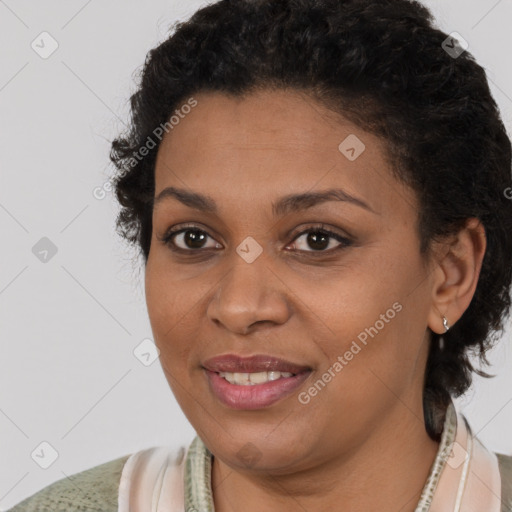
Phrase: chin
(255, 449)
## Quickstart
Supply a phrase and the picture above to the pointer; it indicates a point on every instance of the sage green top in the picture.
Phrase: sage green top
(96, 489)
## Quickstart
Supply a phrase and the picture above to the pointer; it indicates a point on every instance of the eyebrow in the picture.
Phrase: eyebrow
(285, 205)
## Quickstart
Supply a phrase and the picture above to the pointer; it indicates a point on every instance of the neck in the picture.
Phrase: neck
(386, 473)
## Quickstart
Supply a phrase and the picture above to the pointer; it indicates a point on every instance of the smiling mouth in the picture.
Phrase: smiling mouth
(256, 390)
(253, 382)
(252, 379)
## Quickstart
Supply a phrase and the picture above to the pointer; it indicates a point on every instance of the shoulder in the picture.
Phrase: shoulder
(505, 462)
(95, 489)
(505, 465)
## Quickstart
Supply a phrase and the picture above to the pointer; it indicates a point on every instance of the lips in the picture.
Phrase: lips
(252, 364)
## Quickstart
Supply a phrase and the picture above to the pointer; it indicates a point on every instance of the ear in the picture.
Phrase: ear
(456, 275)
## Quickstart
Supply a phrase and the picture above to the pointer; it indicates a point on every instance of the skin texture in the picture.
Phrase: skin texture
(360, 444)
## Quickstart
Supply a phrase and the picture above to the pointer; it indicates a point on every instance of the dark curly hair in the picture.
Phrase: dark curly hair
(384, 66)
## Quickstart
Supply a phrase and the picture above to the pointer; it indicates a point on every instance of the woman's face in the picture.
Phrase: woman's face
(249, 279)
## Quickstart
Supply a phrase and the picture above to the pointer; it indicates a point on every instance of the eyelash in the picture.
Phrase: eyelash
(167, 239)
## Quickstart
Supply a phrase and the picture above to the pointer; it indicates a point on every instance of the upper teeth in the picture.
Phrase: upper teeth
(250, 379)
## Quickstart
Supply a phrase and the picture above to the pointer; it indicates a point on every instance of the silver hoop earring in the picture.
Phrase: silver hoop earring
(445, 323)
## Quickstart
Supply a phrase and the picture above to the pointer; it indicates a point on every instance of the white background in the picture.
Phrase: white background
(68, 327)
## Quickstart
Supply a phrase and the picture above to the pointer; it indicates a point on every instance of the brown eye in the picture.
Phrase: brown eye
(187, 239)
(319, 240)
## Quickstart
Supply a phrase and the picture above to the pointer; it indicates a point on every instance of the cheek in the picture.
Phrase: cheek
(167, 310)
(369, 318)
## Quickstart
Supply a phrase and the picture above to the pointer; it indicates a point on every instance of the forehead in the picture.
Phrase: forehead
(273, 143)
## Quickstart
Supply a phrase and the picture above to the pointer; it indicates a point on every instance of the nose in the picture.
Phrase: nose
(248, 296)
